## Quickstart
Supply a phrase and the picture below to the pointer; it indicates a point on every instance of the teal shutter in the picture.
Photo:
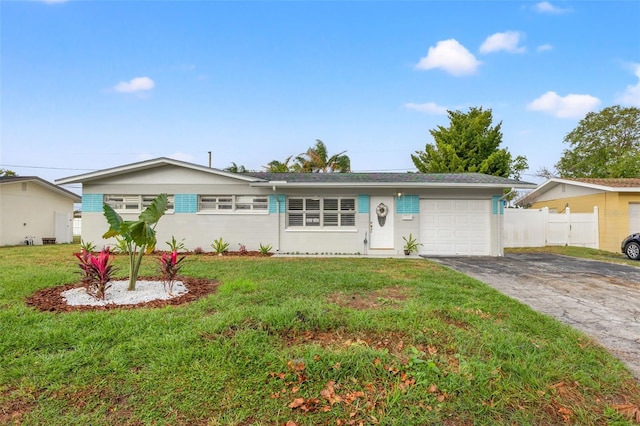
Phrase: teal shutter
(185, 203)
(363, 203)
(92, 203)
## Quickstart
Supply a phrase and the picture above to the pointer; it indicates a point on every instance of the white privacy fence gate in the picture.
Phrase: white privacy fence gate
(77, 226)
(539, 228)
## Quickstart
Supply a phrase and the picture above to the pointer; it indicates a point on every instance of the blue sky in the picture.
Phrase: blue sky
(88, 85)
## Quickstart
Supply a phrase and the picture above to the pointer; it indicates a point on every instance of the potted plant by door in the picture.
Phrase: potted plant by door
(411, 245)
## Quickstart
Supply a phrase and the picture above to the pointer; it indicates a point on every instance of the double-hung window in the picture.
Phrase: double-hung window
(134, 203)
(233, 203)
(314, 212)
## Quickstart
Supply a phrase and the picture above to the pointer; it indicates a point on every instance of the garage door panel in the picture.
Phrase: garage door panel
(455, 227)
(444, 220)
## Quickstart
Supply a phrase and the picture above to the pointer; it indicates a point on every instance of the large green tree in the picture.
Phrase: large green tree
(7, 172)
(605, 144)
(315, 160)
(471, 143)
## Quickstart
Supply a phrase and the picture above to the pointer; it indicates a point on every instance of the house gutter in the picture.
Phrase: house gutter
(425, 185)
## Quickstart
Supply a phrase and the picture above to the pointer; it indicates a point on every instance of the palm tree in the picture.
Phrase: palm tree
(317, 160)
(276, 166)
(234, 168)
(314, 160)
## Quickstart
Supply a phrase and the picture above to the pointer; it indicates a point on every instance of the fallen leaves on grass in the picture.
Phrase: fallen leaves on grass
(630, 411)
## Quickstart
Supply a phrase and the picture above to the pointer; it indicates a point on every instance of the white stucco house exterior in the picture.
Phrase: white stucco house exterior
(34, 210)
(348, 213)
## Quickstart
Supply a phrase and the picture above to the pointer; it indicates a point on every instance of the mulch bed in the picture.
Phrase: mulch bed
(50, 299)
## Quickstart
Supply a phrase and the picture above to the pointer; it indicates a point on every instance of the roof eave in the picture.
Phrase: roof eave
(46, 184)
(433, 185)
(553, 182)
(149, 164)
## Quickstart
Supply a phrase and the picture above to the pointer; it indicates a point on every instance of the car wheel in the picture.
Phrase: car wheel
(632, 250)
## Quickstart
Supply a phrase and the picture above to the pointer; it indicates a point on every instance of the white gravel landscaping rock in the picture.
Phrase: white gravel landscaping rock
(117, 294)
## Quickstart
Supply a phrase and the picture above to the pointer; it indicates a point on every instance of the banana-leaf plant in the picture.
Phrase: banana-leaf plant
(138, 235)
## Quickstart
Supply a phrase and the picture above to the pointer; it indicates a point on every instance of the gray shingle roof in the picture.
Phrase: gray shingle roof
(412, 178)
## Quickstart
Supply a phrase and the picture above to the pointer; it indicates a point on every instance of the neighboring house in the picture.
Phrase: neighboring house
(32, 209)
(618, 202)
(315, 213)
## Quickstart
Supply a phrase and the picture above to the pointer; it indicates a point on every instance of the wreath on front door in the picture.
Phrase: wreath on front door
(382, 210)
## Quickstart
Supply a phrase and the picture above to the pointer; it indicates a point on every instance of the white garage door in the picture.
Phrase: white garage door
(455, 227)
(634, 218)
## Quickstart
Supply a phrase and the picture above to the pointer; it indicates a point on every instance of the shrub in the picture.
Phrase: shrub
(175, 245)
(265, 249)
(220, 246)
(87, 246)
(169, 268)
(411, 244)
(121, 246)
(96, 272)
(243, 249)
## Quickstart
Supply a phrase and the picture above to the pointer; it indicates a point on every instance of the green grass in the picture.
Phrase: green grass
(312, 341)
(582, 252)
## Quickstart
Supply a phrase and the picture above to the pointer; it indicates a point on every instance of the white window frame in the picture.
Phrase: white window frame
(233, 204)
(327, 213)
(134, 203)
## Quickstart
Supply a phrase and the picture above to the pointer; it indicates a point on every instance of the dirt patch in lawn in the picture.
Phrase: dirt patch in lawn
(385, 297)
(50, 299)
(14, 404)
(394, 343)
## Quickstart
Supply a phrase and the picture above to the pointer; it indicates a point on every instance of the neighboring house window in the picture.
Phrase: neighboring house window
(233, 203)
(133, 203)
(321, 212)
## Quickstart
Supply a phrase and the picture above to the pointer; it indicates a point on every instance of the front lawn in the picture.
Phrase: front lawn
(581, 252)
(299, 341)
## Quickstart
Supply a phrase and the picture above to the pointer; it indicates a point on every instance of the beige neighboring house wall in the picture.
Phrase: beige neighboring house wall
(615, 198)
(31, 206)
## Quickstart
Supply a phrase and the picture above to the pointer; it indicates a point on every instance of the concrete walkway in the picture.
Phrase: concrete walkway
(598, 298)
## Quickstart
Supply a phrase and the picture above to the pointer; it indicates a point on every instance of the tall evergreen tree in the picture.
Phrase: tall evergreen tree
(470, 144)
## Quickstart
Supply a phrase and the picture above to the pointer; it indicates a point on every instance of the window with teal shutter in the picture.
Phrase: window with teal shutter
(92, 203)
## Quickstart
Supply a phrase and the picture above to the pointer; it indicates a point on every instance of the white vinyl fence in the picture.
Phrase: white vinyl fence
(77, 226)
(539, 228)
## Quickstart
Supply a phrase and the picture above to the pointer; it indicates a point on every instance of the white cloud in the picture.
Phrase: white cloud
(134, 85)
(507, 41)
(631, 95)
(547, 7)
(544, 48)
(451, 56)
(427, 108)
(570, 106)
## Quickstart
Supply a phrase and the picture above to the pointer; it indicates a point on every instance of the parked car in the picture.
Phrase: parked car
(631, 246)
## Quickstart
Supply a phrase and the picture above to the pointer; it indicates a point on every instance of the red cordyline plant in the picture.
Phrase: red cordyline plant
(96, 272)
(169, 267)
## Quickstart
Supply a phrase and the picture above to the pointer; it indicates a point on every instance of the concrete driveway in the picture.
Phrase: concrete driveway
(598, 298)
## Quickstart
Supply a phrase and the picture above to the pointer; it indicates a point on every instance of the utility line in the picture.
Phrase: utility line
(48, 168)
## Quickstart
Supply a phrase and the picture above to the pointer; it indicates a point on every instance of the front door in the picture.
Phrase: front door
(381, 222)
